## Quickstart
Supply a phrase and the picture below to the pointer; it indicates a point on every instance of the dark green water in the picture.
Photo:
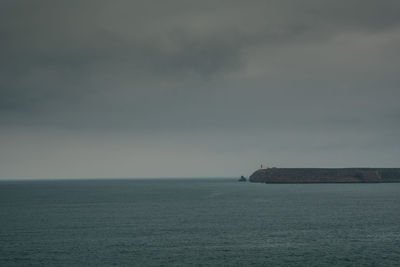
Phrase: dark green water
(198, 222)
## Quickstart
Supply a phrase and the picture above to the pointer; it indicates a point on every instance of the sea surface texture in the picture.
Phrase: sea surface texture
(198, 222)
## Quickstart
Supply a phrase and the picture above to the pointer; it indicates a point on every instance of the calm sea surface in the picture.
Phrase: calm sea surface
(216, 222)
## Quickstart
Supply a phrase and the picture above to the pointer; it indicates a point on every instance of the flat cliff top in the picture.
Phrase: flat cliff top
(326, 175)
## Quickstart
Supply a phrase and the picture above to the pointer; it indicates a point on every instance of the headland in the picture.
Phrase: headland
(326, 175)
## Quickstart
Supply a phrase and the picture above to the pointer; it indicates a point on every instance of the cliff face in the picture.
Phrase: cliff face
(326, 175)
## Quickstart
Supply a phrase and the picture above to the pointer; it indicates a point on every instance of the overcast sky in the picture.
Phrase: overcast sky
(197, 88)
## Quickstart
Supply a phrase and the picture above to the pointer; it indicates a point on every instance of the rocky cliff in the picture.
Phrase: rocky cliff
(326, 175)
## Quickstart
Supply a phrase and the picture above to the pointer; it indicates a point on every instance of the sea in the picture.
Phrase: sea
(197, 222)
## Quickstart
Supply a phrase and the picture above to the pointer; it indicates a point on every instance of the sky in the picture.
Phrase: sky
(105, 89)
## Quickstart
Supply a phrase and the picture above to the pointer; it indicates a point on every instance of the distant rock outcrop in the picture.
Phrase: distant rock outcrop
(242, 179)
(326, 175)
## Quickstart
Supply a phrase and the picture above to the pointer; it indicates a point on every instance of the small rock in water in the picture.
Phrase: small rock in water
(242, 179)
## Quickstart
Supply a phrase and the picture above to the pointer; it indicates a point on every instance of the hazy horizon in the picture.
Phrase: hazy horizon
(136, 89)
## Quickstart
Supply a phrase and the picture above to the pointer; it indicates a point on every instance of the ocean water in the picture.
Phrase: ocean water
(198, 222)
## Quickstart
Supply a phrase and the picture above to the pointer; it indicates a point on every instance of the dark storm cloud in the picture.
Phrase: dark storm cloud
(58, 51)
(306, 74)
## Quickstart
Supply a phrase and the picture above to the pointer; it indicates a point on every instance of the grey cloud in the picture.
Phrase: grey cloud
(223, 71)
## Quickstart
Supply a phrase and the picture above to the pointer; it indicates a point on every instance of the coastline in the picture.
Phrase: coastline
(326, 175)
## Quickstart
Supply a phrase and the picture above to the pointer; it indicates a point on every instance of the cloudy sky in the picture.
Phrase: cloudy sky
(197, 88)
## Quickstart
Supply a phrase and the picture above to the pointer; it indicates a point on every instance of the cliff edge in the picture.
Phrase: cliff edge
(326, 175)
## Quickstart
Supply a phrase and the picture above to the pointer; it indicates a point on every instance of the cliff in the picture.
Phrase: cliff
(326, 175)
